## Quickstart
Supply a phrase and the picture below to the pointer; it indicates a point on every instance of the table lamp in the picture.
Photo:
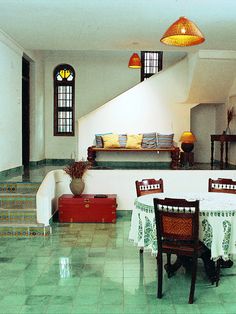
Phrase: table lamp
(187, 139)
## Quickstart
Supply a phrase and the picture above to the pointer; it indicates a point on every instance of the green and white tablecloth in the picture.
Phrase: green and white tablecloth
(217, 223)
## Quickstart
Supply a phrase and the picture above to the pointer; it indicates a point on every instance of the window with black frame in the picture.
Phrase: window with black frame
(64, 84)
(151, 63)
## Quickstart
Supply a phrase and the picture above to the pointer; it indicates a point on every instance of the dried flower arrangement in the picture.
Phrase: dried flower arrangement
(230, 115)
(77, 169)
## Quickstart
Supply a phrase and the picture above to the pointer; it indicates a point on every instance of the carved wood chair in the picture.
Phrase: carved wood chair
(148, 186)
(177, 228)
(222, 185)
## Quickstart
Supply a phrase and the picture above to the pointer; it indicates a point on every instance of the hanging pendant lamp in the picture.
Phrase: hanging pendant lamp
(183, 32)
(134, 61)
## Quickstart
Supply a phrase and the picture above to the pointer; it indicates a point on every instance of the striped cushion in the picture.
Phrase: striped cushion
(122, 140)
(164, 140)
(149, 140)
(99, 140)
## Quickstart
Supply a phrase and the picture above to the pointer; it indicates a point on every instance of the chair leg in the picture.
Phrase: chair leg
(193, 281)
(160, 274)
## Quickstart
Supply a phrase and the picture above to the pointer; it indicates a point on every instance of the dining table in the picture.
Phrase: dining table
(217, 222)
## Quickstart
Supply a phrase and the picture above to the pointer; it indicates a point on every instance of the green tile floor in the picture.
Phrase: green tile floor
(93, 268)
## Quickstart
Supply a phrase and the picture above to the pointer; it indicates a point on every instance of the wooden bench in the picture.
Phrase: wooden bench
(174, 153)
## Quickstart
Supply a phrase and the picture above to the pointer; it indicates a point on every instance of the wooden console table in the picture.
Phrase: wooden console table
(223, 139)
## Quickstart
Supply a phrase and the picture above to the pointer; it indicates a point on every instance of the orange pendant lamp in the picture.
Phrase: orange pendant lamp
(134, 61)
(183, 32)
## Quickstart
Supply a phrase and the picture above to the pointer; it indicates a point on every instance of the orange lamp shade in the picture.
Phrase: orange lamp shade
(134, 61)
(183, 32)
(188, 137)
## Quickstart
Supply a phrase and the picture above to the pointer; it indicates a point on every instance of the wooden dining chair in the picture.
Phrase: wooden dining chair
(177, 228)
(222, 185)
(148, 186)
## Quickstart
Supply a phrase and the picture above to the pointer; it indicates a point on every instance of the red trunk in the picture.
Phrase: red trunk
(87, 208)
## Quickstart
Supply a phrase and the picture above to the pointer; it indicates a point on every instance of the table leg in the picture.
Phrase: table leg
(172, 268)
(212, 154)
(209, 266)
(221, 154)
(226, 154)
(226, 264)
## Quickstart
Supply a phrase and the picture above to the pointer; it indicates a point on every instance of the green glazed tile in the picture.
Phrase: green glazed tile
(84, 309)
(13, 300)
(59, 309)
(212, 308)
(108, 309)
(9, 309)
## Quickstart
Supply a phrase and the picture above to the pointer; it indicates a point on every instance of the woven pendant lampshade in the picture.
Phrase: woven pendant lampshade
(183, 32)
(134, 61)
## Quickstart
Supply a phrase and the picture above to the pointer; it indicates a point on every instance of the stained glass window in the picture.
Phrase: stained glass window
(64, 83)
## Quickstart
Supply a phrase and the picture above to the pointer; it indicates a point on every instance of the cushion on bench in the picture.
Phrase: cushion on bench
(149, 140)
(134, 141)
(164, 140)
(111, 141)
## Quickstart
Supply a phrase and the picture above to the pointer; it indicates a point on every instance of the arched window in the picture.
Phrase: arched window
(64, 85)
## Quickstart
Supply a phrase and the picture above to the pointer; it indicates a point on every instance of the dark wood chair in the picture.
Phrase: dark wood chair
(222, 185)
(148, 186)
(177, 228)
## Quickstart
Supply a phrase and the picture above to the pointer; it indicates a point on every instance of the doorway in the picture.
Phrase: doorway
(204, 122)
(25, 113)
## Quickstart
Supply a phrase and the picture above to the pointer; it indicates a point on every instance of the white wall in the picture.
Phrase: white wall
(163, 104)
(37, 136)
(121, 183)
(153, 105)
(10, 104)
(100, 76)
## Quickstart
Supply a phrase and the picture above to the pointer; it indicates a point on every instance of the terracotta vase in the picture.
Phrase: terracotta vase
(77, 186)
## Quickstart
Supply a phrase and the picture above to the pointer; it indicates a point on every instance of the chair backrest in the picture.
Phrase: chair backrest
(222, 185)
(148, 186)
(177, 220)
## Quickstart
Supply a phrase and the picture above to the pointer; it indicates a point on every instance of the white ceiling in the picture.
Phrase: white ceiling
(114, 24)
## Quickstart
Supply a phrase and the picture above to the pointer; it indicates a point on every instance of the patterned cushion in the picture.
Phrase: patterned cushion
(164, 140)
(149, 140)
(134, 141)
(98, 139)
(122, 140)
